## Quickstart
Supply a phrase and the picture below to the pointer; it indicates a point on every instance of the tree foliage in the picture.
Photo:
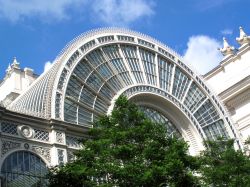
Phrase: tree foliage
(128, 149)
(222, 165)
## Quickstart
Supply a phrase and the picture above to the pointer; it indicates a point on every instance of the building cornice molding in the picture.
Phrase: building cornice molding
(241, 51)
(241, 98)
(235, 89)
(48, 124)
(243, 122)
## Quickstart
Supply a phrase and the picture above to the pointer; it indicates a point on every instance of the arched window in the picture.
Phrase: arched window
(158, 117)
(23, 168)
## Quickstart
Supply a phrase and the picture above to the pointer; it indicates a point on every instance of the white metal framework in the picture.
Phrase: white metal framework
(98, 66)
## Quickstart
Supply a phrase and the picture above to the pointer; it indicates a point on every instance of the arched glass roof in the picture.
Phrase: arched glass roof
(98, 66)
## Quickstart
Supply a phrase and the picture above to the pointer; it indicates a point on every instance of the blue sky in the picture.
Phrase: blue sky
(35, 31)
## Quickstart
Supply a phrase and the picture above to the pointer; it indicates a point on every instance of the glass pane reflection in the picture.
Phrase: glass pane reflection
(23, 168)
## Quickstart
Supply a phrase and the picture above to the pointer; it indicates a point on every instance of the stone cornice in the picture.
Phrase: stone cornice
(41, 122)
(242, 50)
(69, 127)
(235, 89)
(240, 99)
(243, 122)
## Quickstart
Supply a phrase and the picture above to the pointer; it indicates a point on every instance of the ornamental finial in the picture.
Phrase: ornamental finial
(244, 38)
(8, 69)
(227, 49)
(242, 33)
(15, 64)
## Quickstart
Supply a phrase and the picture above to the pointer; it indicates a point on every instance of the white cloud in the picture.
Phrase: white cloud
(15, 10)
(47, 66)
(202, 53)
(121, 12)
(227, 32)
(209, 4)
(107, 12)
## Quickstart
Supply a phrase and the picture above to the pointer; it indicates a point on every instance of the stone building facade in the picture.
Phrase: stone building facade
(43, 118)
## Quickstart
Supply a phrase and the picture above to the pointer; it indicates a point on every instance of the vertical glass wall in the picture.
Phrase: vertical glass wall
(158, 117)
(23, 169)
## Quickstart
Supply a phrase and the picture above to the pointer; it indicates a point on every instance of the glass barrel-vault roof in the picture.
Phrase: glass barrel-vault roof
(103, 72)
(98, 66)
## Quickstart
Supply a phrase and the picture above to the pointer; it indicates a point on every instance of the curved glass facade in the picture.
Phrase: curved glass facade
(24, 169)
(158, 117)
(103, 72)
(97, 67)
(124, 62)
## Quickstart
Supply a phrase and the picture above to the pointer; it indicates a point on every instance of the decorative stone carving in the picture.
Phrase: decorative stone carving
(42, 151)
(9, 145)
(227, 49)
(8, 69)
(244, 38)
(15, 64)
(26, 146)
(59, 137)
(26, 131)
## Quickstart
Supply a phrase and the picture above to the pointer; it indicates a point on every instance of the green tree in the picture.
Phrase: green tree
(222, 165)
(128, 149)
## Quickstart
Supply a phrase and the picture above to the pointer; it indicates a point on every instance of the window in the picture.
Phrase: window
(23, 168)
(158, 117)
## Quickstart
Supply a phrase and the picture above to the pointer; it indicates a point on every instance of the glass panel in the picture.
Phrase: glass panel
(73, 88)
(84, 116)
(94, 81)
(24, 169)
(82, 70)
(126, 78)
(215, 130)
(70, 111)
(106, 92)
(87, 97)
(149, 65)
(115, 82)
(100, 106)
(119, 65)
(194, 97)
(129, 51)
(95, 57)
(206, 114)
(165, 73)
(133, 62)
(158, 117)
(112, 51)
(105, 71)
(181, 82)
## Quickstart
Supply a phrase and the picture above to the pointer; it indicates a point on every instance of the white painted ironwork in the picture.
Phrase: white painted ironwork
(113, 57)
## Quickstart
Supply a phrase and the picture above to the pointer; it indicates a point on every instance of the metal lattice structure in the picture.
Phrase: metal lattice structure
(41, 135)
(98, 66)
(9, 128)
